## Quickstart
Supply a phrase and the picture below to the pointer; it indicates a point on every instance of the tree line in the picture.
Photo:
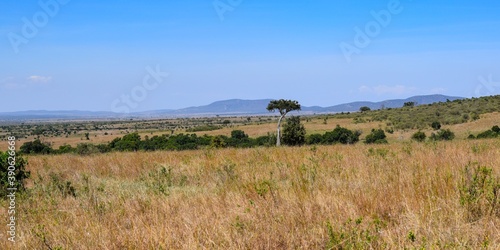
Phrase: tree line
(294, 134)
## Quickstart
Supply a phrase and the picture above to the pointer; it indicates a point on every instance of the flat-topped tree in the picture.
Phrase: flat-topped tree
(283, 106)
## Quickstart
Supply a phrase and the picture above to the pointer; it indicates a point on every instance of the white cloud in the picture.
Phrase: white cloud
(40, 79)
(384, 89)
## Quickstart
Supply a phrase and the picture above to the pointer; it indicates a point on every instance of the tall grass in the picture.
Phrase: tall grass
(402, 195)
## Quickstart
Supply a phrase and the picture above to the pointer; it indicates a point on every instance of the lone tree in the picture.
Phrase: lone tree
(364, 109)
(283, 106)
(409, 104)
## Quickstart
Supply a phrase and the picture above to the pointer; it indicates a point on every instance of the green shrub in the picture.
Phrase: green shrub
(443, 135)
(480, 192)
(35, 147)
(356, 234)
(341, 135)
(64, 149)
(436, 125)
(495, 129)
(376, 136)
(218, 141)
(86, 149)
(294, 133)
(314, 139)
(20, 173)
(266, 140)
(494, 132)
(419, 136)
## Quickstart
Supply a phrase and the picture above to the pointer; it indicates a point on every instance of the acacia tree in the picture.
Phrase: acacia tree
(283, 106)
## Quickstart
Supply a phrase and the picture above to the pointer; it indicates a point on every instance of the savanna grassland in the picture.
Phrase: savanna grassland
(392, 196)
(402, 194)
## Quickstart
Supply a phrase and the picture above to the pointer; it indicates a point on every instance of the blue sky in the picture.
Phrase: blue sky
(88, 55)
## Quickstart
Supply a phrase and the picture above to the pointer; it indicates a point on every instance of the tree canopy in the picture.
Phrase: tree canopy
(283, 106)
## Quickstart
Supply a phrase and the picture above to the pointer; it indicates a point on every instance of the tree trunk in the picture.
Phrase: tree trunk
(278, 142)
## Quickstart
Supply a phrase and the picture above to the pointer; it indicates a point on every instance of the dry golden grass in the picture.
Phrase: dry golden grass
(406, 194)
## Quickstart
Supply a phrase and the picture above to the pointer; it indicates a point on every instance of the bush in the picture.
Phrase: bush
(86, 149)
(266, 140)
(64, 149)
(341, 135)
(376, 136)
(314, 139)
(436, 125)
(487, 134)
(495, 129)
(20, 173)
(494, 132)
(480, 192)
(294, 133)
(419, 136)
(239, 139)
(218, 141)
(35, 147)
(443, 135)
(130, 142)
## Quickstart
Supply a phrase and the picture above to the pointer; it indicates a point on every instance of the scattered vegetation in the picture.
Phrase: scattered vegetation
(494, 132)
(421, 116)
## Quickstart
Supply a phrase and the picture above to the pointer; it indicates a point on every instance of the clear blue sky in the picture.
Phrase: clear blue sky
(86, 55)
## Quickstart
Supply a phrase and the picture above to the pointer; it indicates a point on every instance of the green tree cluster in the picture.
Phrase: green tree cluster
(337, 135)
(35, 147)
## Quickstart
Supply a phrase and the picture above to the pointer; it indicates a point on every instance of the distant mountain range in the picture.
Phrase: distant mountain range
(224, 108)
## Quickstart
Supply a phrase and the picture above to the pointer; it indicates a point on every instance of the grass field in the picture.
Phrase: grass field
(400, 195)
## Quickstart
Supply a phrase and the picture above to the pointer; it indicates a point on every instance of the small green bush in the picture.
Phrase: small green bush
(419, 136)
(341, 135)
(20, 173)
(480, 192)
(443, 135)
(314, 139)
(377, 136)
(436, 125)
